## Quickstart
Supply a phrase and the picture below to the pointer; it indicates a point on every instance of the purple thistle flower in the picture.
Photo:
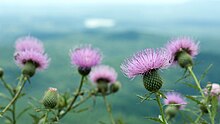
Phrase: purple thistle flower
(85, 56)
(175, 98)
(144, 61)
(182, 44)
(103, 73)
(29, 43)
(214, 91)
(40, 60)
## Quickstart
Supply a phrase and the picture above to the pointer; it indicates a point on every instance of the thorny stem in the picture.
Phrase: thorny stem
(161, 107)
(108, 107)
(83, 100)
(74, 99)
(22, 82)
(201, 91)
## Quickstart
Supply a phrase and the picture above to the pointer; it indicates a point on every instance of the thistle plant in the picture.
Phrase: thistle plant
(100, 80)
(29, 58)
(147, 63)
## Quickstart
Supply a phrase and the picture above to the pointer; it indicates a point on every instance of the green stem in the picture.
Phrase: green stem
(83, 100)
(198, 118)
(196, 80)
(45, 118)
(201, 92)
(161, 107)
(23, 80)
(109, 110)
(14, 113)
(74, 99)
(10, 90)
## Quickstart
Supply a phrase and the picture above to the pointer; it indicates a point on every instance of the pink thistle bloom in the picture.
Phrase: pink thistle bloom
(214, 91)
(146, 60)
(182, 44)
(103, 73)
(40, 60)
(52, 89)
(175, 98)
(29, 43)
(85, 56)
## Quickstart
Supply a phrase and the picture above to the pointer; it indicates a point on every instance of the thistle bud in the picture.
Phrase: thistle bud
(62, 101)
(50, 99)
(184, 59)
(171, 111)
(152, 81)
(115, 87)
(1, 72)
(29, 69)
(84, 71)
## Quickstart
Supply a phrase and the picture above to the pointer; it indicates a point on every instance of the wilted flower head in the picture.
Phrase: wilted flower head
(144, 61)
(103, 73)
(182, 44)
(29, 43)
(85, 56)
(214, 91)
(175, 98)
(41, 61)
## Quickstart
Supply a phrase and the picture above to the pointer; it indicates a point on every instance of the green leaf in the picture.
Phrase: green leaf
(191, 85)
(154, 119)
(101, 122)
(193, 99)
(35, 118)
(205, 72)
(120, 121)
(214, 107)
(82, 110)
(146, 97)
(183, 77)
(8, 119)
(22, 112)
(5, 96)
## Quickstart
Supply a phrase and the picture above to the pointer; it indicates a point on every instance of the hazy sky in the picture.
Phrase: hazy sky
(40, 2)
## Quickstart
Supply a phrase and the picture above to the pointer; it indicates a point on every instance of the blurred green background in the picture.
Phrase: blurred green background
(118, 29)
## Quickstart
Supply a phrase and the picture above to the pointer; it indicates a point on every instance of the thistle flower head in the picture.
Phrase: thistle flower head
(214, 91)
(41, 61)
(85, 56)
(145, 61)
(103, 73)
(29, 43)
(182, 44)
(175, 98)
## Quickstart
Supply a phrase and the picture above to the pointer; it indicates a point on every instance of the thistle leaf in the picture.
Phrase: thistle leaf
(4, 96)
(205, 72)
(191, 85)
(214, 106)
(193, 99)
(154, 119)
(22, 112)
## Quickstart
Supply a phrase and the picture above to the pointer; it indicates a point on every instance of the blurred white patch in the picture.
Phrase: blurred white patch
(99, 23)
